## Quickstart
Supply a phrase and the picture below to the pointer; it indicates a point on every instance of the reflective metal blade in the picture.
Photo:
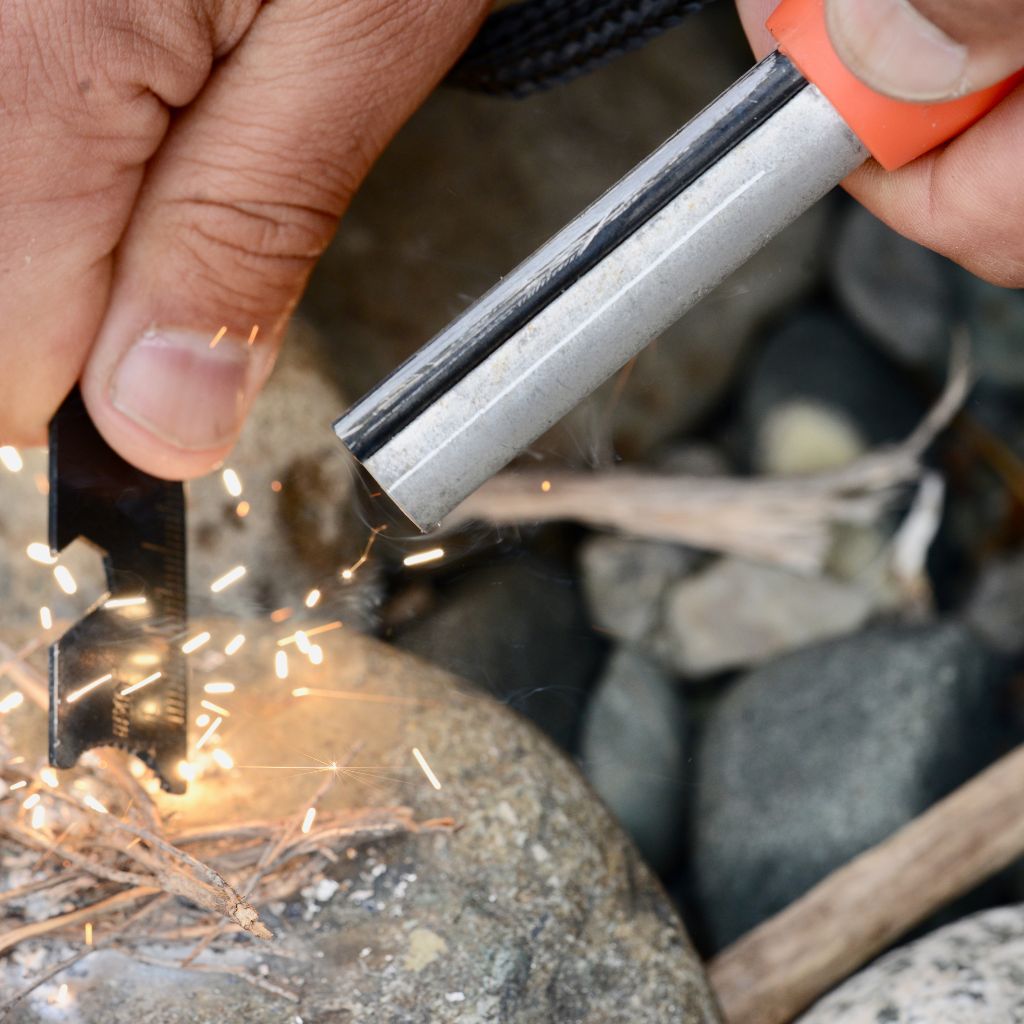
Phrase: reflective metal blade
(118, 677)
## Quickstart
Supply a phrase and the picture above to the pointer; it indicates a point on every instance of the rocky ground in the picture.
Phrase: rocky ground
(751, 728)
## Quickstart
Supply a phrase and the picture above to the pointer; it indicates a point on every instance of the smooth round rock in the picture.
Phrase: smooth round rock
(537, 909)
(966, 973)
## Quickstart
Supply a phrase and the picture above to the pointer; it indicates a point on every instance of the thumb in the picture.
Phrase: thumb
(928, 50)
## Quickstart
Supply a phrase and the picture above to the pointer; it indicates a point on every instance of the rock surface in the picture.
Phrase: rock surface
(810, 760)
(634, 750)
(536, 910)
(966, 973)
(996, 607)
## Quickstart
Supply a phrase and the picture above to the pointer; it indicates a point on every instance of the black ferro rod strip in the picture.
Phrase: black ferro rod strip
(455, 353)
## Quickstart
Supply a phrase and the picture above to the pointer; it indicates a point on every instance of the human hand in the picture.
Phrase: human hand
(171, 167)
(965, 200)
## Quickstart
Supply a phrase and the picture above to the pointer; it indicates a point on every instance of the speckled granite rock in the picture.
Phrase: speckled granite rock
(967, 973)
(537, 910)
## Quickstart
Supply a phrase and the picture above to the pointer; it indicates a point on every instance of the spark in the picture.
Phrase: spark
(280, 615)
(187, 771)
(42, 484)
(242, 509)
(137, 769)
(219, 688)
(66, 582)
(223, 759)
(93, 804)
(195, 643)
(38, 818)
(347, 574)
(11, 458)
(205, 738)
(276, 486)
(307, 821)
(316, 654)
(63, 996)
(141, 683)
(232, 484)
(307, 633)
(545, 486)
(252, 334)
(88, 933)
(301, 691)
(124, 602)
(11, 701)
(202, 721)
(225, 581)
(313, 598)
(370, 698)
(215, 708)
(427, 770)
(40, 553)
(422, 557)
(45, 618)
(234, 645)
(31, 801)
(18, 785)
(49, 776)
(88, 688)
(302, 641)
(218, 336)
(281, 665)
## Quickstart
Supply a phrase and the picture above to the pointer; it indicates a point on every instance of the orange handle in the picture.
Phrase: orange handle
(894, 132)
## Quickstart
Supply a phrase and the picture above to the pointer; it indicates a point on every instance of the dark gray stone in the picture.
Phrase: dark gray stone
(805, 763)
(633, 750)
(966, 973)
(996, 606)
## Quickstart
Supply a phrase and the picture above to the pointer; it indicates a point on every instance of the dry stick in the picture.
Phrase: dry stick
(783, 965)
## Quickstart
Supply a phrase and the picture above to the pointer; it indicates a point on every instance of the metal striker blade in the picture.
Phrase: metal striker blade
(118, 677)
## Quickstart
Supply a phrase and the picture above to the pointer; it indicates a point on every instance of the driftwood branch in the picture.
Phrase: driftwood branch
(787, 521)
(782, 966)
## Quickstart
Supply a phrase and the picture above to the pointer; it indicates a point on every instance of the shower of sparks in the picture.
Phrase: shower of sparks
(347, 574)
(49, 776)
(88, 933)
(281, 665)
(422, 557)
(234, 645)
(18, 785)
(93, 804)
(11, 458)
(219, 688)
(40, 553)
(31, 801)
(125, 602)
(195, 643)
(280, 615)
(307, 821)
(88, 688)
(218, 337)
(427, 770)
(545, 486)
(222, 759)
(202, 721)
(205, 738)
(370, 698)
(231, 483)
(38, 818)
(316, 654)
(45, 618)
(215, 708)
(141, 683)
(307, 633)
(11, 701)
(66, 582)
(242, 509)
(225, 581)
(313, 598)
(252, 334)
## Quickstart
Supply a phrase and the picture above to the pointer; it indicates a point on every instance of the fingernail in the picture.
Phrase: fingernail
(187, 392)
(896, 50)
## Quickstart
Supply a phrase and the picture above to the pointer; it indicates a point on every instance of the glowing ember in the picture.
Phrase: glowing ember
(281, 615)
(195, 643)
(11, 458)
(307, 821)
(242, 509)
(49, 776)
(40, 553)
(45, 618)
(205, 738)
(252, 334)
(88, 688)
(66, 582)
(93, 804)
(234, 645)
(423, 557)
(141, 683)
(124, 602)
(232, 484)
(347, 574)
(225, 581)
(427, 770)
(313, 598)
(223, 759)
(215, 708)
(545, 486)
(276, 486)
(88, 933)
(219, 688)
(281, 665)
(218, 337)
(11, 701)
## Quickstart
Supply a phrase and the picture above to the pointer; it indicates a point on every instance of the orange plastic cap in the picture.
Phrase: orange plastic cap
(895, 132)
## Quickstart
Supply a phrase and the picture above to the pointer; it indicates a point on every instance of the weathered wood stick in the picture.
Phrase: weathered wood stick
(782, 966)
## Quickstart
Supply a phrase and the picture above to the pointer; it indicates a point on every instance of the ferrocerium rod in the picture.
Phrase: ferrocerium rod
(600, 290)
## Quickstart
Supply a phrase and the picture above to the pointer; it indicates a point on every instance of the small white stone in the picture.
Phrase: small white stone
(455, 997)
(325, 889)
